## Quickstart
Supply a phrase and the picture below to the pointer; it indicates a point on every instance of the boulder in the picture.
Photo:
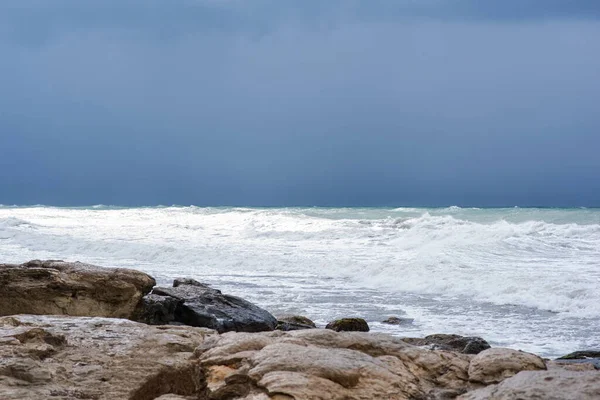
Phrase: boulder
(348, 324)
(495, 365)
(204, 306)
(294, 323)
(70, 288)
(68, 358)
(321, 364)
(398, 321)
(462, 344)
(555, 384)
(156, 310)
(65, 358)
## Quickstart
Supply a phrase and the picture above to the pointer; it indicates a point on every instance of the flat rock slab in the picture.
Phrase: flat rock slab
(71, 288)
(204, 306)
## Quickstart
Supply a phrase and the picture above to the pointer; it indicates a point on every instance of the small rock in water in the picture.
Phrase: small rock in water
(348, 324)
(398, 321)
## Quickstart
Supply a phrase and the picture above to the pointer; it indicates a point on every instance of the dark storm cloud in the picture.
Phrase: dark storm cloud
(330, 103)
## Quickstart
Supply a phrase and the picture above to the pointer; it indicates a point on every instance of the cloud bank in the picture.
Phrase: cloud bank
(300, 103)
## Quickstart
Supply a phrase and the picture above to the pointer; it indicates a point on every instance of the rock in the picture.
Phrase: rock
(321, 364)
(348, 324)
(462, 344)
(297, 319)
(398, 321)
(580, 355)
(547, 385)
(294, 323)
(61, 357)
(156, 310)
(68, 358)
(495, 365)
(70, 288)
(204, 306)
(591, 363)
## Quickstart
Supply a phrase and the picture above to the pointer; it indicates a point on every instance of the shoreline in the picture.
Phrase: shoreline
(192, 341)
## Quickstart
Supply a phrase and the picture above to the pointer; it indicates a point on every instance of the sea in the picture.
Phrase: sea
(524, 278)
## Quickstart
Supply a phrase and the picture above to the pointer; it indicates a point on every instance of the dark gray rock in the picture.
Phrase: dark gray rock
(461, 344)
(348, 324)
(204, 306)
(398, 321)
(156, 310)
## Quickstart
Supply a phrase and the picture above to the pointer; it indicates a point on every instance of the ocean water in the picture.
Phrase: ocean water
(523, 278)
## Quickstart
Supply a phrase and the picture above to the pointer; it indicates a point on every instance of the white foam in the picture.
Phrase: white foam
(498, 256)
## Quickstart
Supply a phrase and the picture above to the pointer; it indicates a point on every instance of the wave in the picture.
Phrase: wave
(481, 255)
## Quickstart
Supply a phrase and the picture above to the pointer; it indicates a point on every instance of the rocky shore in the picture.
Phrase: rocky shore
(78, 331)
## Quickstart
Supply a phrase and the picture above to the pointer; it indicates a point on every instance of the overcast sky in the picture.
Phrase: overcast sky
(275, 102)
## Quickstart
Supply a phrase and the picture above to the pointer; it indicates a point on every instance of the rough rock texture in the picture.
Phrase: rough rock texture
(462, 344)
(495, 365)
(204, 306)
(542, 385)
(348, 325)
(68, 358)
(294, 323)
(57, 357)
(398, 321)
(70, 288)
(156, 310)
(322, 364)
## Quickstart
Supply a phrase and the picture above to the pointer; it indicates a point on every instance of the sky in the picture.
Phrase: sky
(300, 103)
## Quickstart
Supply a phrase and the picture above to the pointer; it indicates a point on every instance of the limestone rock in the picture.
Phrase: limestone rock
(555, 384)
(58, 357)
(495, 365)
(348, 324)
(156, 310)
(204, 306)
(322, 364)
(462, 344)
(70, 288)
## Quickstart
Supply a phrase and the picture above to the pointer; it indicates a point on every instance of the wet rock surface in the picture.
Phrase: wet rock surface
(156, 310)
(71, 288)
(203, 306)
